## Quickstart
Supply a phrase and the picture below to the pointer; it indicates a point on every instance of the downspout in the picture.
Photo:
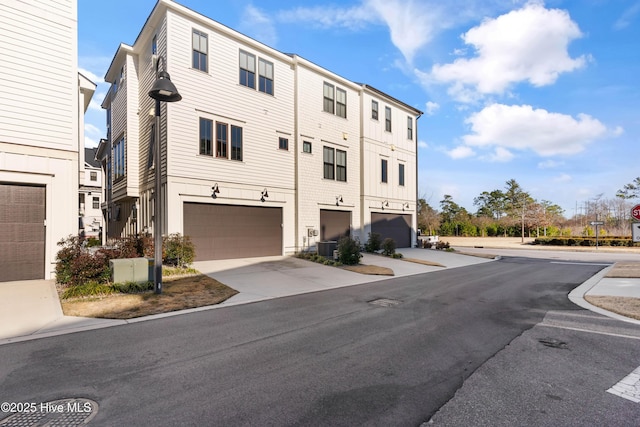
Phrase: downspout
(417, 181)
(296, 183)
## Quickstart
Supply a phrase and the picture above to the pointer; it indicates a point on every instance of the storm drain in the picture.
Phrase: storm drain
(385, 302)
(57, 413)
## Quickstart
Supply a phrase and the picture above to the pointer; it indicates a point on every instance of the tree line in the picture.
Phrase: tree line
(513, 212)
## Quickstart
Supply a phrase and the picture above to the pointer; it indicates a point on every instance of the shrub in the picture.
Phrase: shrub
(388, 247)
(349, 251)
(397, 255)
(92, 242)
(178, 250)
(442, 245)
(374, 242)
(427, 244)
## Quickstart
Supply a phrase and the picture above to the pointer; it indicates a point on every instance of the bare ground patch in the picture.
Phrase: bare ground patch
(423, 262)
(178, 293)
(369, 269)
(625, 306)
(625, 270)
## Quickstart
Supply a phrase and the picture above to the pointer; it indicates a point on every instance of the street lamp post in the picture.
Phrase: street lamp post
(162, 91)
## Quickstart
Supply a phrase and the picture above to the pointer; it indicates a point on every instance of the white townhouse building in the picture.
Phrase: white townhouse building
(41, 126)
(90, 195)
(266, 153)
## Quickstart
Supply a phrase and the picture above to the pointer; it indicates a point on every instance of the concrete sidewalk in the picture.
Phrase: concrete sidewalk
(31, 309)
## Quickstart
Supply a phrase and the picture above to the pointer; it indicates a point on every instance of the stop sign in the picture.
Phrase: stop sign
(635, 212)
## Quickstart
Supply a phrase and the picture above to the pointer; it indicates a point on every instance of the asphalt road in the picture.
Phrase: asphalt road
(334, 358)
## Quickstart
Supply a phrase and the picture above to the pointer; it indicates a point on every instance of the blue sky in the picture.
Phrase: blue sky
(546, 93)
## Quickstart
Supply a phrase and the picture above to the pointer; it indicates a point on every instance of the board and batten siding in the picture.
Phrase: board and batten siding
(325, 129)
(39, 103)
(218, 96)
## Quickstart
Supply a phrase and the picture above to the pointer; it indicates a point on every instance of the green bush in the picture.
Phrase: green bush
(349, 251)
(179, 250)
(132, 287)
(92, 242)
(397, 255)
(388, 247)
(90, 288)
(442, 245)
(374, 242)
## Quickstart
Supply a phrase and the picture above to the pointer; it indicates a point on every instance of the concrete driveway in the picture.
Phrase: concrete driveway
(263, 278)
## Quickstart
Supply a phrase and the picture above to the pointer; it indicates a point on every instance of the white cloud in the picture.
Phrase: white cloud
(92, 130)
(432, 107)
(423, 144)
(529, 44)
(563, 178)
(461, 152)
(91, 76)
(627, 17)
(89, 142)
(500, 154)
(521, 127)
(259, 26)
(353, 18)
(550, 164)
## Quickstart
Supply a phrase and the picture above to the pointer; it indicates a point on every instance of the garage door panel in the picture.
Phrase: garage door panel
(395, 226)
(226, 231)
(334, 224)
(22, 232)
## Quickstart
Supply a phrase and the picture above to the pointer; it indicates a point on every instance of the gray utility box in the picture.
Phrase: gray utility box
(131, 270)
(326, 248)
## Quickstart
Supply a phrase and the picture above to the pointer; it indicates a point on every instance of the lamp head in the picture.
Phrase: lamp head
(163, 90)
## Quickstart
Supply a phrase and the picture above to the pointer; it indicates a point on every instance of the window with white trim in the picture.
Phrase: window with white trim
(328, 97)
(200, 49)
(387, 119)
(119, 159)
(374, 110)
(265, 76)
(409, 127)
(206, 137)
(247, 69)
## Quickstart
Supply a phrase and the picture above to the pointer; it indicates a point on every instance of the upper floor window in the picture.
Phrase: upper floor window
(374, 110)
(341, 103)
(401, 174)
(121, 78)
(247, 69)
(329, 162)
(383, 170)
(409, 128)
(222, 139)
(306, 147)
(341, 165)
(152, 147)
(236, 143)
(96, 202)
(200, 50)
(265, 76)
(154, 45)
(206, 137)
(328, 95)
(283, 143)
(387, 119)
(119, 159)
(93, 176)
(335, 164)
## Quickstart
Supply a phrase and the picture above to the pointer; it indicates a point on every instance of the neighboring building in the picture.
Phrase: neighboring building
(90, 196)
(266, 154)
(41, 123)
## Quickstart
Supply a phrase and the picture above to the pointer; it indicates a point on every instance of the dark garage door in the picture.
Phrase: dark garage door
(334, 224)
(22, 211)
(398, 227)
(225, 232)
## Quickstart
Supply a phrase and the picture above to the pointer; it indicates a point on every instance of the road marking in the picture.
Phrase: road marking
(590, 331)
(578, 263)
(628, 387)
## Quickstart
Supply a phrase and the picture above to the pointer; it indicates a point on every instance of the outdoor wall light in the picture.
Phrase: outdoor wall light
(385, 203)
(214, 191)
(339, 200)
(405, 205)
(162, 91)
(263, 195)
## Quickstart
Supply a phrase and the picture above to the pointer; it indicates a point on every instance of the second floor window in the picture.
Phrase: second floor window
(206, 137)
(329, 162)
(96, 203)
(265, 76)
(401, 174)
(200, 49)
(93, 176)
(119, 159)
(236, 143)
(383, 170)
(387, 119)
(222, 139)
(409, 128)
(247, 69)
(374, 110)
(283, 143)
(341, 165)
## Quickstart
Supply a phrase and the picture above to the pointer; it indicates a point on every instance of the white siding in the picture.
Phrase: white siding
(325, 129)
(39, 105)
